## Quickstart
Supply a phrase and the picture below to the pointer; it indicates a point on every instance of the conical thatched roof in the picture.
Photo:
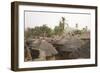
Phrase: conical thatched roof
(48, 48)
(70, 44)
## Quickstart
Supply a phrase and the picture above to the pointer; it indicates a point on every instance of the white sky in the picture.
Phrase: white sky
(33, 19)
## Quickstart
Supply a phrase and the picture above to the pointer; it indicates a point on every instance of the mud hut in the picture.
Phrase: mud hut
(68, 48)
(49, 50)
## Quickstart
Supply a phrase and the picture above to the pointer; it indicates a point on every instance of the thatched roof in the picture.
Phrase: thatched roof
(70, 44)
(48, 48)
(85, 35)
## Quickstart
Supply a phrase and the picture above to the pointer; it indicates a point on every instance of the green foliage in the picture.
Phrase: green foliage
(58, 30)
(45, 31)
(42, 31)
(28, 33)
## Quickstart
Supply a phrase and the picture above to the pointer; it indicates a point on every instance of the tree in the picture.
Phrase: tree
(38, 31)
(28, 33)
(63, 22)
(45, 31)
(56, 30)
(59, 30)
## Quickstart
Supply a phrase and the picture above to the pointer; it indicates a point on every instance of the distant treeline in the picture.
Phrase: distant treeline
(45, 31)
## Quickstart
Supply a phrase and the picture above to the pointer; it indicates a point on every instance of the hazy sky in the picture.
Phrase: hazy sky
(33, 19)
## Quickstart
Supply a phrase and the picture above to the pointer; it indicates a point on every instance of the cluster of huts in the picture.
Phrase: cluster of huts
(57, 47)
